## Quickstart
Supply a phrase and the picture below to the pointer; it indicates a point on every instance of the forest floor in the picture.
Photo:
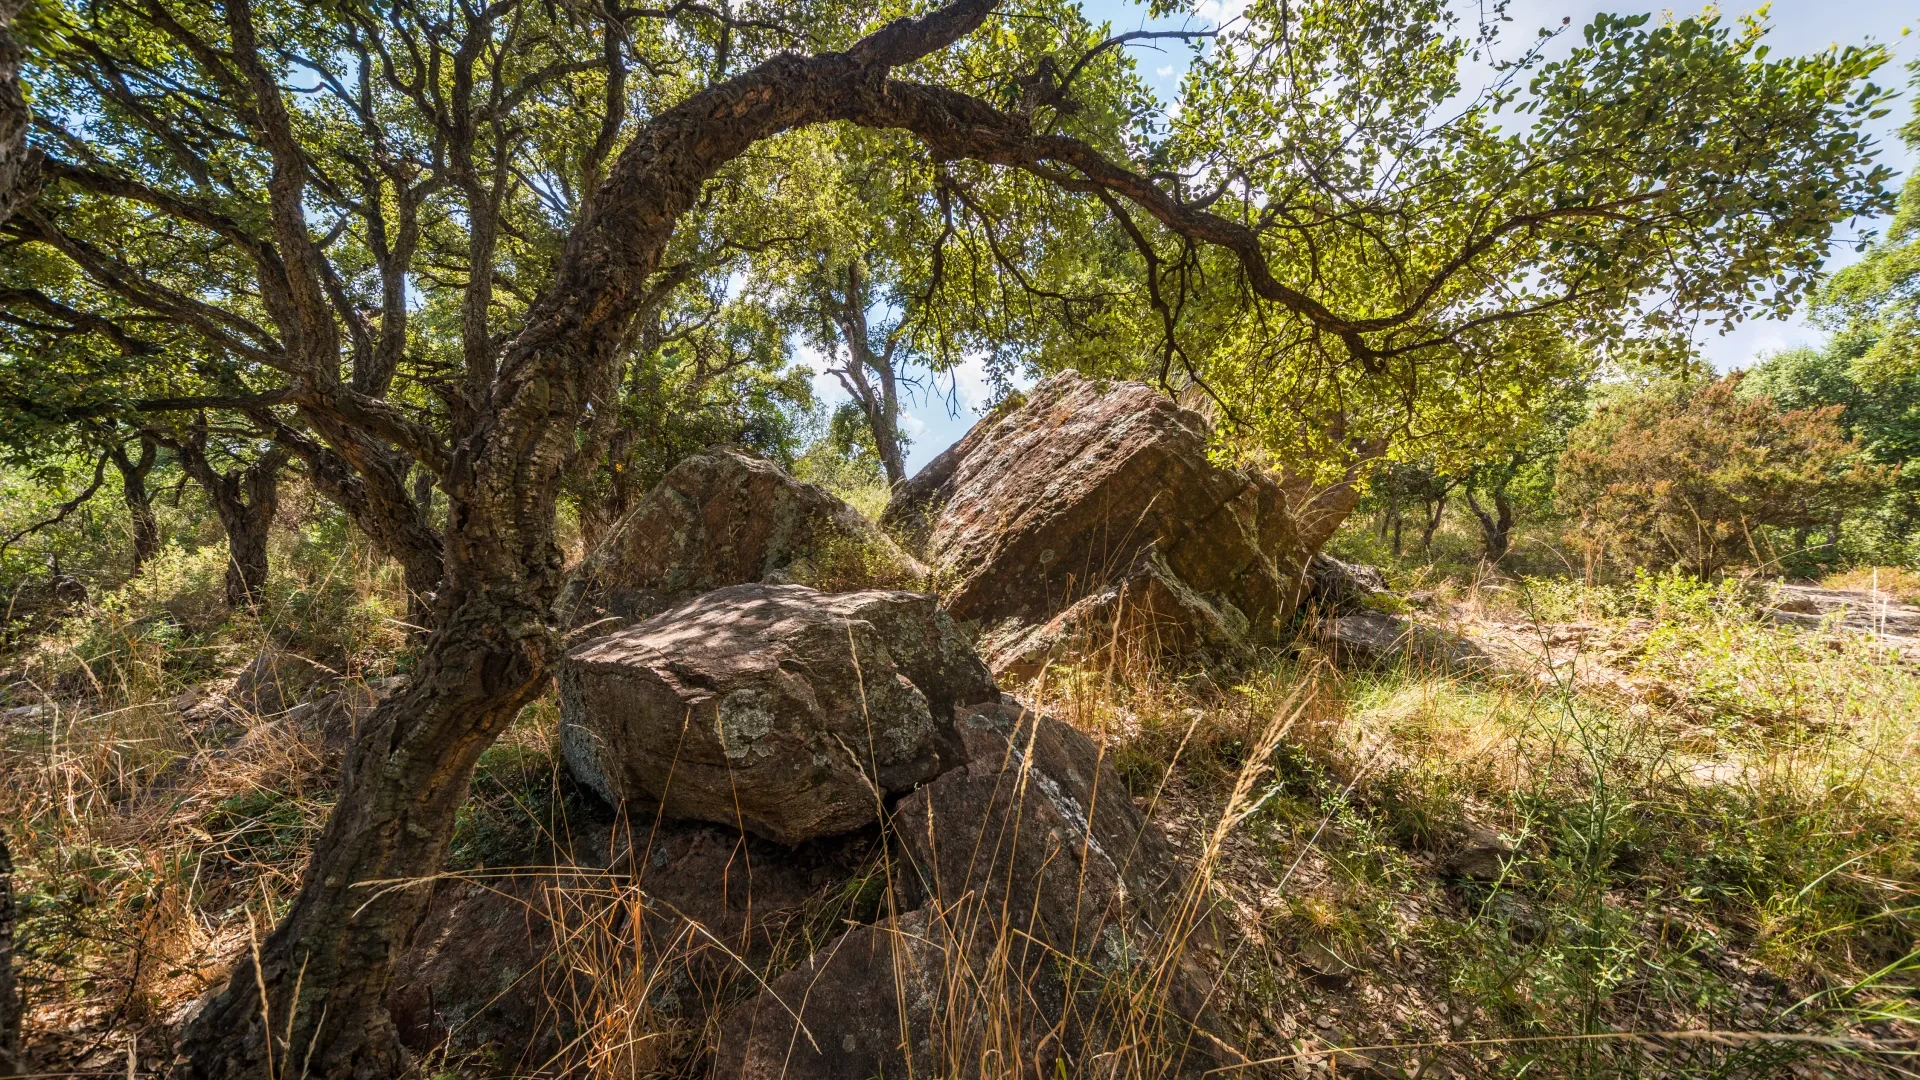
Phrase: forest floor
(1663, 835)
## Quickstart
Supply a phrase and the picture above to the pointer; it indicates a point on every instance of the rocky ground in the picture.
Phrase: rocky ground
(1085, 800)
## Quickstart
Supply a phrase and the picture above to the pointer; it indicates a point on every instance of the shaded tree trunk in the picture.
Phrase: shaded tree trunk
(326, 968)
(19, 162)
(311, 1000)
(423, 493)
(245, 500)
(248, 522)
(1496, 528)
(12, 1060)
(133, 491)
(1435, 510)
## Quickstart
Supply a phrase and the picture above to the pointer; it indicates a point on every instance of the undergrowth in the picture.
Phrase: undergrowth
(1726, 839)
(1702, 822)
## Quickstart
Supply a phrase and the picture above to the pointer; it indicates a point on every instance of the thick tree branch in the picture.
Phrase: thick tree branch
(954, 125)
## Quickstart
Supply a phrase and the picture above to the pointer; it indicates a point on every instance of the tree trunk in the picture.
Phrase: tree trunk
(893, 456)
(12, 1060)
(1435, 510)
(326, 968)
(245, 500)
(310, 1001)
(247, 526)
(1496, 528)
(880, 404)
(133, 489)
(423, 493)
(19, 161)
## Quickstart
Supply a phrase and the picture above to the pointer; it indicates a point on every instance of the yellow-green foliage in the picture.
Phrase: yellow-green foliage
(847, 561)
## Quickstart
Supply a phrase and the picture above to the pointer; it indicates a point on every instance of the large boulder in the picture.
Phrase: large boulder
(1048, 921)
(478, 973)
(1038, 823)
(868, 1005)
(724, 517)
(523, 967)
(1094, 507)
(789, 712)
(1334, 587)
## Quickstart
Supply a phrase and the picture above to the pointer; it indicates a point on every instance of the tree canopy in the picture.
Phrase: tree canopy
(1869, 368)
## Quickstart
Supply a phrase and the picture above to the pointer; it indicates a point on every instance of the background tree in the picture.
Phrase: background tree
(1871, 369)
(900, 269)
(1397, 485)
(1516, 470)
(1427, 350)
(1697, 479)
(439, 257)
(134, 468)
(1878, 404)
(243, 484)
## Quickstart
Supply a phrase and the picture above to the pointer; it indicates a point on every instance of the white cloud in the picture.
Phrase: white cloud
(826, 387)
(1750, 342)
(1220, 11)
(971, 385)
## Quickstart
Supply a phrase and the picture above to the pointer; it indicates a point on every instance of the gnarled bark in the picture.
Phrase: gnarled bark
(317, 1005)
(1496, 528)
(133, 491)
(245, 500)
(19, 162)
(318, 996)
(12, 1061)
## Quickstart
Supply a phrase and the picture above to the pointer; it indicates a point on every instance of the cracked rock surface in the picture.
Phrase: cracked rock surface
(786, 711)
(1095, 506)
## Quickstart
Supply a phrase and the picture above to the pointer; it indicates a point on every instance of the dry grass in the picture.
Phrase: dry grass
(1713, 821)
(1896, 582)
(1714, 824)
(145, 840)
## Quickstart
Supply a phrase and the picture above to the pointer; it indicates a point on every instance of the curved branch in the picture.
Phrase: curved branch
(1121, 39)
(955, 125)
(65, 508)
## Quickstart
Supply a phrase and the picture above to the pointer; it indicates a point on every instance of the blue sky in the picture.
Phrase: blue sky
(1797, 26)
